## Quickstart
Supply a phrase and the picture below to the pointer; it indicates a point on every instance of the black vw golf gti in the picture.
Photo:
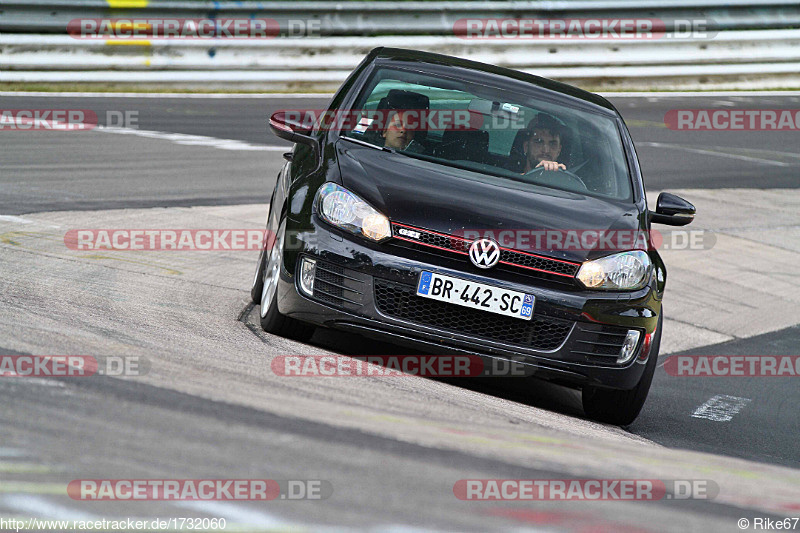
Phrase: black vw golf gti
(458, 207)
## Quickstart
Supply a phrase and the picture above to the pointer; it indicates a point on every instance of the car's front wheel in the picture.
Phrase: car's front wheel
(621, 407)
(266, 245)
(272, 321)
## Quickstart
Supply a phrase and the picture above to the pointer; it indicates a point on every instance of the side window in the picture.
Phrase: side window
(501, 140)
(389, 94)
(434, 109)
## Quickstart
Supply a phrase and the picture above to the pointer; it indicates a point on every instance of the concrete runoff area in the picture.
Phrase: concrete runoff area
(210, 405)
(181, 310)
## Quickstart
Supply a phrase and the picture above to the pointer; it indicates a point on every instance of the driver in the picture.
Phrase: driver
(543, 145)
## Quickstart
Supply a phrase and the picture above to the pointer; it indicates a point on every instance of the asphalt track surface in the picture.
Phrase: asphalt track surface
(115, 175)
(392, 448)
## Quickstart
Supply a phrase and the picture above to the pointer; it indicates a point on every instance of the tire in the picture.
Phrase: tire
(258, 280)
(621, 407)
(272, 321)
(269, 239)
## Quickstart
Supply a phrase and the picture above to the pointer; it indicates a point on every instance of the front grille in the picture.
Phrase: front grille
(598, 343)
(400, 301)
(536, 262)
(460, 245)
(436, 240)
(337, 286)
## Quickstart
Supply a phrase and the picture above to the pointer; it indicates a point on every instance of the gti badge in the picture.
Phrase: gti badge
(408, 233)
(484, 253)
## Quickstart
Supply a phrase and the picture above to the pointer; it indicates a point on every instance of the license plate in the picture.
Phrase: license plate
(475, 295)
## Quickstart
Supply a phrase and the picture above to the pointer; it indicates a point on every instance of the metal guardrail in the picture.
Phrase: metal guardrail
(61, 52)
(752, 59)
(754, 44)
(404, 18)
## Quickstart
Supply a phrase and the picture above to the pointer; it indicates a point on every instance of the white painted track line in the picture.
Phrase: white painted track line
(721, 408)
(195, 140)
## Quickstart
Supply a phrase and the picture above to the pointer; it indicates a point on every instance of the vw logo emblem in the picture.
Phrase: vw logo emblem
(484, 253)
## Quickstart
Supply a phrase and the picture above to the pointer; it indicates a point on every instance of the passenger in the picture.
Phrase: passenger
(399, 136)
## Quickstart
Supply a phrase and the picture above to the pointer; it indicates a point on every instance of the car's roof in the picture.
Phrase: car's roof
(401, 54)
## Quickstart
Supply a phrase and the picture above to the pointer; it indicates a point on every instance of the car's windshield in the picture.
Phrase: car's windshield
(493, 131)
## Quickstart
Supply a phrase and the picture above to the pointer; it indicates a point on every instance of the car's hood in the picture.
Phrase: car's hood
(455, 201)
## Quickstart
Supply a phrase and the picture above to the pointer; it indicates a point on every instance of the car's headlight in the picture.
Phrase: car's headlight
(626, 270)
(341, 208)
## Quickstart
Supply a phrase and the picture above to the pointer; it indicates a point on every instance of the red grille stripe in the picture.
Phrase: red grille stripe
(461, 252)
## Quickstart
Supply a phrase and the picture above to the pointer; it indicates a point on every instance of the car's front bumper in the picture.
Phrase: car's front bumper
(370, 289)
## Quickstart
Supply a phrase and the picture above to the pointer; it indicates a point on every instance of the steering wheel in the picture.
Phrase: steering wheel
(539, 171)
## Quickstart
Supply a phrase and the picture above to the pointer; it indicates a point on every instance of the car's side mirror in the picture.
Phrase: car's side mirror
(291, 129)
(672, 210)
